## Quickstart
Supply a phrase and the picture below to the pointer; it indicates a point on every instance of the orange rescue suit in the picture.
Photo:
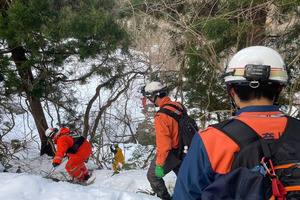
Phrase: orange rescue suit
(166, 129)
(75, 165)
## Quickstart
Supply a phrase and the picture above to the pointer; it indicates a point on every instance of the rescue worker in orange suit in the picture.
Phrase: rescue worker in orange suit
(254, 94)
(167, 140)
(76, 147)
(118, 156)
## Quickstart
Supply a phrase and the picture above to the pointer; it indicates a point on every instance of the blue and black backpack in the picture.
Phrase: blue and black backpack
(263, 168)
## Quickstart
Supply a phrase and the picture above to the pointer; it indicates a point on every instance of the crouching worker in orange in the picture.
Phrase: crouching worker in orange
(118, 158)
(76, 147)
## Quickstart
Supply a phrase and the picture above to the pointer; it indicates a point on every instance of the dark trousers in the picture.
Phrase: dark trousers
(172, 163)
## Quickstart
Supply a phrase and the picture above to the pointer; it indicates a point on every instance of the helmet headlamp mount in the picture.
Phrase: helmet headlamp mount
(257, 72)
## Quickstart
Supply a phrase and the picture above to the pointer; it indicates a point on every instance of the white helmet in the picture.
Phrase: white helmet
(153, 89)
(255, 65)
(50, 132)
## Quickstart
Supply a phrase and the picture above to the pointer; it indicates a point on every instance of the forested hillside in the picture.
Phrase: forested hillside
(81, 64)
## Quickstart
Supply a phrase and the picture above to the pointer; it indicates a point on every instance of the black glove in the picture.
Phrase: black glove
(55, 164)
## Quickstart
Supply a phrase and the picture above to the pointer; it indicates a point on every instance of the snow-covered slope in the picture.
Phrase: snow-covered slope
(126, 185)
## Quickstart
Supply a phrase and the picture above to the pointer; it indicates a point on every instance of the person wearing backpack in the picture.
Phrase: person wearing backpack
(75, 147)
(254, 77)
(167, 139)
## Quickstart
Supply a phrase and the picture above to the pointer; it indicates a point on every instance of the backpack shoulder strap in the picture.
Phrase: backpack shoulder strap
(241, 133)
(292, 126)
(244, 135)
(171, 113)
(180, 109)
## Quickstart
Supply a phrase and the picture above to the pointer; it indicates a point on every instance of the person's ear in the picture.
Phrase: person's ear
(232, 92)
(280, 89)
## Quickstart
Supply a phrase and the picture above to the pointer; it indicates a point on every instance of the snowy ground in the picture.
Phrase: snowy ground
(32, 183)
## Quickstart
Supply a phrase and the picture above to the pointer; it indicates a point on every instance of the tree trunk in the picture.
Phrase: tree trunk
(18, 55)
(258, 16)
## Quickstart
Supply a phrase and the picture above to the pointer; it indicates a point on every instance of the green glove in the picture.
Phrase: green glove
(159, 171)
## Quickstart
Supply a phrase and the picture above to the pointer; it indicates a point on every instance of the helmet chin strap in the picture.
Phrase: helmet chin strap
(235, 107)
(276, 99)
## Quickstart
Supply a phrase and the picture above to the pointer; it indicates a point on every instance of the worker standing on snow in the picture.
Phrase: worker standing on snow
(167, 139)
(76, 147)
(118, 156)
